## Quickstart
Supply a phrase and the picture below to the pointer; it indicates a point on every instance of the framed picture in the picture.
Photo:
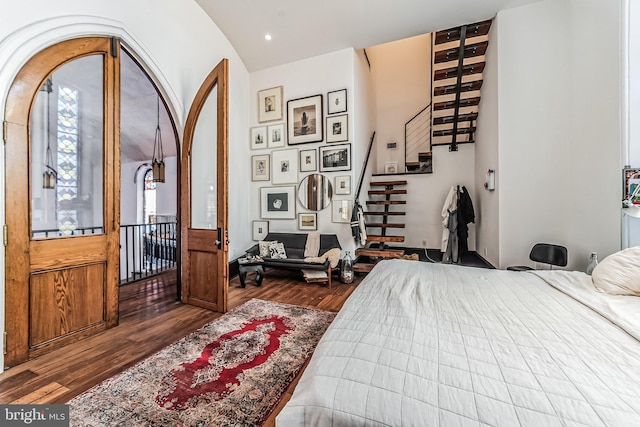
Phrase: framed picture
(630, 180)
(341, 210)
(337, 101)
(260, 168)
(308, 160)
(304, 120)
(260, 229)
(285, 166)
(307, 221)
(337, 128)
(278, 202)
(258, 137)
(270, 104)
(342, 185)
(275, 135)
(391, 167)
(335, 158)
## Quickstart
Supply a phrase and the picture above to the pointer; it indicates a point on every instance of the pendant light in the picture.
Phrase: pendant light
(158, 162)
(50, 175)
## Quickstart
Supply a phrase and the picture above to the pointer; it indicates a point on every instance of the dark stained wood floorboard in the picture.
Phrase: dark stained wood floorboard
(151, 319)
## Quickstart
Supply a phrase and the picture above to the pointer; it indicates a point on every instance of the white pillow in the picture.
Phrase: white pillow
(276, 249)
(619, 273)
(264, 248)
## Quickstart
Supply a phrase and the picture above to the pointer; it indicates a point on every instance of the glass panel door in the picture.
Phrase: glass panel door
(67, 152)
(203, 165)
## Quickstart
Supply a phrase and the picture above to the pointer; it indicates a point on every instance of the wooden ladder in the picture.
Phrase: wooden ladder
(368, 256)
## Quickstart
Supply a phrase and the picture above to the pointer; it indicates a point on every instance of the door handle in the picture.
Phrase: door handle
(218, 242)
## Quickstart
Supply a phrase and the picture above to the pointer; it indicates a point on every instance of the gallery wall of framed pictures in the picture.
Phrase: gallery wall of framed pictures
(292, 139)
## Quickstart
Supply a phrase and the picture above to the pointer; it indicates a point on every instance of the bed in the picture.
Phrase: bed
(421, 344)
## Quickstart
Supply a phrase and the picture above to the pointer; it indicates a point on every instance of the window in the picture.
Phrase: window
(148, 197)
(67, 155)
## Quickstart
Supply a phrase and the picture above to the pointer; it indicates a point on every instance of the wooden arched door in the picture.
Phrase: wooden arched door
(62, 197)
(205, 269)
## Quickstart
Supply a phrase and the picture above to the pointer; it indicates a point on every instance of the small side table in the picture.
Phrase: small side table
(245, 266)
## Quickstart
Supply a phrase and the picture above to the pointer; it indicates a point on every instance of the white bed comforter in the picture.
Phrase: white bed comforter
(421, 344)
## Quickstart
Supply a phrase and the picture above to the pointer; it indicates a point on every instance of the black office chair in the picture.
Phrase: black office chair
(546, 253)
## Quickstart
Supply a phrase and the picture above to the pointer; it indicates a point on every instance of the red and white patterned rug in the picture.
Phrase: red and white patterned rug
(231, 372)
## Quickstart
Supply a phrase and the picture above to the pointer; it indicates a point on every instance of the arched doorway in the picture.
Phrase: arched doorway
(63, 187)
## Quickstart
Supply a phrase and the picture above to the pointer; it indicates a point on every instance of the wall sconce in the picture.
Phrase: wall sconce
(490, 183)
(157, 164)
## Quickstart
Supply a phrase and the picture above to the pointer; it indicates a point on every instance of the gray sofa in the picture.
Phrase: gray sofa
(294, 244)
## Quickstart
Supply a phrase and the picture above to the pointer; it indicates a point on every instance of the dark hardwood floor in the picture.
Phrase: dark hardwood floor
(150, 319)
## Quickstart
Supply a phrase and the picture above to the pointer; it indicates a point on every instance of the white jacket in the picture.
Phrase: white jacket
(450, 204)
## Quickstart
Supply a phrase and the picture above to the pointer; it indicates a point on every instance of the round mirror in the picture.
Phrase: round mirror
(315, 192)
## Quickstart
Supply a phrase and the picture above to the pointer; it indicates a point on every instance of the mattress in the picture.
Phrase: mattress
(420, 344)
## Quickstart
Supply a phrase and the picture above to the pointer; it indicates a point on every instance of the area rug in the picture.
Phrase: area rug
(231, 372)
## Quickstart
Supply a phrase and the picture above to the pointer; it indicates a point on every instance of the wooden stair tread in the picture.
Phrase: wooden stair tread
(448, 132)
(445, 120)
(382, 213)
(465, 102)
(451, 72)
(375, 238)
(473, 30)
(470, 51)
(382, 192)
(386, 202)
(381, 225)
(382, 253)
(471, 141)
(386, 183)
(451, 89)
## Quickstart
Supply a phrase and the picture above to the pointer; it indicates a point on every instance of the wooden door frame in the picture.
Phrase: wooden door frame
(19, 104)
(218, 76)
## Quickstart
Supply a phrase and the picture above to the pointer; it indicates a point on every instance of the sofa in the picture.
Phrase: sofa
(294, 244)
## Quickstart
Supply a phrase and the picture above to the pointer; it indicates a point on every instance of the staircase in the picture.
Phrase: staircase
(377, 248)
(458, 63)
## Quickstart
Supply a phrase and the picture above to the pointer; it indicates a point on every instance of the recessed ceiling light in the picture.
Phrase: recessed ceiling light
(267, 36)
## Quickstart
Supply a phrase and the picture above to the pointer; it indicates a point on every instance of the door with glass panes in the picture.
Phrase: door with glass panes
(62, 197)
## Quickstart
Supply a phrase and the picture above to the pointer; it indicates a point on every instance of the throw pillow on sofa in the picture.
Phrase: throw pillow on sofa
(276, 250)
(264, 248)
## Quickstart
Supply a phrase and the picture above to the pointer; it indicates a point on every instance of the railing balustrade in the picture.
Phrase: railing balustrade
(146, 250)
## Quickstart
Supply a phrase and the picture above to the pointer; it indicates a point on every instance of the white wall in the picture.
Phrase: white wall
(186, 35)
(559, 128)
(308, 77)
(631, 154)
(364, 123)
(487, 155)
(426, 194)
(402, 76)
(402, 79)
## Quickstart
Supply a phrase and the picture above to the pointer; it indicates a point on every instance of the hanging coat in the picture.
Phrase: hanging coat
(358, 230)
(450, 205)
(466, 215)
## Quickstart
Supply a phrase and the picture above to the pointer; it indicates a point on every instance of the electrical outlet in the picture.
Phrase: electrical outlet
(485, 251)
(424, 243)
